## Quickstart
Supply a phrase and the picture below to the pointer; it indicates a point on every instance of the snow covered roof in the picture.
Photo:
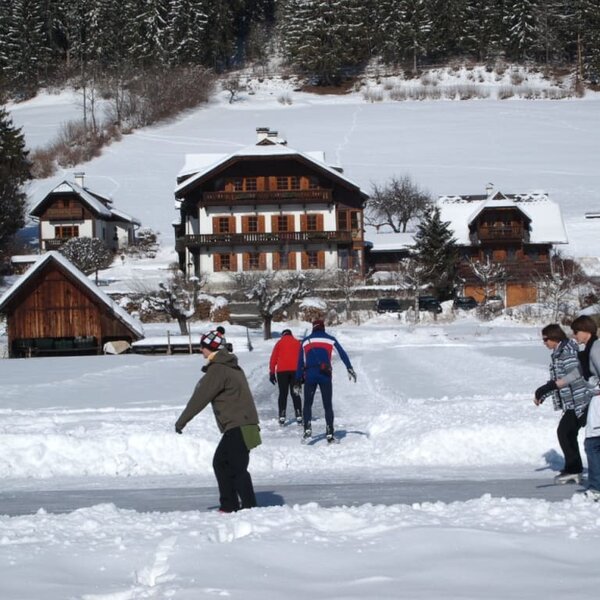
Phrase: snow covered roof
(388, 241)
(95, 205)
(203, 165)
(53, 256)
(547, 225)
(119, 215)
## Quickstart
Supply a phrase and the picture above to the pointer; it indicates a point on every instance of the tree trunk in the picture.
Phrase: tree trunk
(183, 328)
(267, 327)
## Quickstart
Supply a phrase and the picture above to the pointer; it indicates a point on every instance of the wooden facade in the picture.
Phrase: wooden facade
(271, 208)
(52, 311)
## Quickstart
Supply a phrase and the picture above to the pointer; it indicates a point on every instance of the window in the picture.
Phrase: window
(282, 223)
(250, 184)
(342, 220)
(253, 261)
(294, 182)
(65, 202)
(253, 224)
(238, 184)
(313, 259)
(312, 223)
(354, 220)
(66, 231)
(223, 225)
(313, 183)
(282, 183)
(284, 259)
(225, 262)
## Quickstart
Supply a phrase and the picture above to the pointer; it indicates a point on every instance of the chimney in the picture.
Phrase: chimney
(79, 178)
(262, 133)
(489, 189)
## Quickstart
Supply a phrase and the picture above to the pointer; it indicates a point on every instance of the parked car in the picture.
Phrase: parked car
(464, 303)
(430, 303)
(496, 302)
(384, 305)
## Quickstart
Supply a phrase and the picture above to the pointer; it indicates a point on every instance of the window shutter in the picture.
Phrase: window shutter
(233, 263)
(261, 224)
(215, 225)
(274, 224)
(245, 261)
(276, 261)
(303, 226)
(216, 263)
(304, 261)
(262, 261)
(320, 221)
(321, 259)
(290, 223)
(292, 261)
(245, 228)
(231, 224)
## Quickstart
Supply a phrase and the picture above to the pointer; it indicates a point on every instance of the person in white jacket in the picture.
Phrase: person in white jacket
(585, 332)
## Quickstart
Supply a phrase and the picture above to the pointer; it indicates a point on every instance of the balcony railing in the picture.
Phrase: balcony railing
(54, 243)
(282, 237)
(64, 214)
(271, 197)
(501, 233)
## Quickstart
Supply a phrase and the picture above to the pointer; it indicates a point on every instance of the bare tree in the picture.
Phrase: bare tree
(396, 203)
(554, 288)
(489, 274)
(346, 281)
(232, 85)
(178, 298)
(273, 292)
(409, 275)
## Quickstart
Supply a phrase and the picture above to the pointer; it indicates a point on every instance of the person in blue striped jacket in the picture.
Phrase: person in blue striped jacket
(570, 394)
(315, 370)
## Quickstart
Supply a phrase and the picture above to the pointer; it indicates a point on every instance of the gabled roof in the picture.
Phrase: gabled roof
(98, 205)
(546, 222)
(72, 271)
(204, 168)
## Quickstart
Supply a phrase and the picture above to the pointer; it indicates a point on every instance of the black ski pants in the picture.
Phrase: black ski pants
(230, 464)
(285, 381)
(568, 427)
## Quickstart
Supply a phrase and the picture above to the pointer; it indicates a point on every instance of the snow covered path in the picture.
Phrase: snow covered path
(407, 491)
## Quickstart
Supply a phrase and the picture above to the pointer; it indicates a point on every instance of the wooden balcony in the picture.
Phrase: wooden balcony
(54, 243)
(63, 214)
(271, 197)
(245, 239)
(502, 233)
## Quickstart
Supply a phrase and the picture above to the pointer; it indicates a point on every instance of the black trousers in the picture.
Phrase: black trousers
(230, 464)
(285, 381)
(568, 427)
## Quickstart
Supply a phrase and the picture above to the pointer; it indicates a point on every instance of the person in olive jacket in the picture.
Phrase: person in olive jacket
(224, 385)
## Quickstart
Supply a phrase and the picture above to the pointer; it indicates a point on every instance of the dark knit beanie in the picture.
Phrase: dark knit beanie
(213, 340)
(318, 324)
(286, 332)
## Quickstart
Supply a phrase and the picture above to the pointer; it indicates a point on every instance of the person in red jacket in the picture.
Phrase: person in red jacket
(284, 359)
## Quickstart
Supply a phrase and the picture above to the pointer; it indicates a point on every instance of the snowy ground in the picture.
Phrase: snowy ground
(446, 401)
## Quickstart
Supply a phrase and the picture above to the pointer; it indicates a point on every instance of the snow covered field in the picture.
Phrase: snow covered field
(443, 401)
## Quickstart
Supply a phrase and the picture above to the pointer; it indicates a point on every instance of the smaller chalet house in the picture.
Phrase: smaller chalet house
(515, 230)
(72, 210)
(55, 309)
(266, 207)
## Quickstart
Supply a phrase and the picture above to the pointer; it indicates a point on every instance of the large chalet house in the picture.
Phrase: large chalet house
(266, 207)
(71, 210)
(517, 231)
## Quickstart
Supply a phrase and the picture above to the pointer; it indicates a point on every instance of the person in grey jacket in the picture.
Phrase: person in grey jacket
(569, 393)
(585, 332)
(225, 387)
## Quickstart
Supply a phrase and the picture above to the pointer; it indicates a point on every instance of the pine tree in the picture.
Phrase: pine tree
(436, 252)
(521, 26)
(14, 171)
(483, 32)
(186, 31)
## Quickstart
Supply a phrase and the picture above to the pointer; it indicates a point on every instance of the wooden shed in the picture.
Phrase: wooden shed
(55, 309)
